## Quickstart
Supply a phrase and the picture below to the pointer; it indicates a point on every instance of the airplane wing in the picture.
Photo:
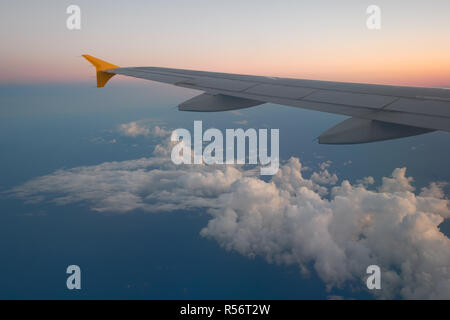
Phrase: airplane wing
(378, 112)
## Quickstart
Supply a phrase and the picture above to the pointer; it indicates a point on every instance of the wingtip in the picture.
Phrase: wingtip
(101, 66)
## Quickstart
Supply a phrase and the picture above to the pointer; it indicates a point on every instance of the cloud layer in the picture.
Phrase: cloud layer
(290, 219)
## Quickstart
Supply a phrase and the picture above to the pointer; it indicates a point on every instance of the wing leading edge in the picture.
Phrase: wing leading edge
(379, 112)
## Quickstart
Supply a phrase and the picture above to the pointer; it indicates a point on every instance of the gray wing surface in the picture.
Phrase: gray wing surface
(378, 112)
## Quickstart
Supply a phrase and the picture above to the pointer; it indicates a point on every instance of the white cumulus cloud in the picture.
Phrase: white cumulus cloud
(141, 128)
(287, 220)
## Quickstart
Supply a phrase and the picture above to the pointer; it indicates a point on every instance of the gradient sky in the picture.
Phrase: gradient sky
(325, 40)
(54, 122)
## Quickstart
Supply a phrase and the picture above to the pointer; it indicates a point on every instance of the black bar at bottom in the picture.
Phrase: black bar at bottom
(215, 309)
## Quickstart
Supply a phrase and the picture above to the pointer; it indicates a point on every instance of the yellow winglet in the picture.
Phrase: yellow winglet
(100, 65)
